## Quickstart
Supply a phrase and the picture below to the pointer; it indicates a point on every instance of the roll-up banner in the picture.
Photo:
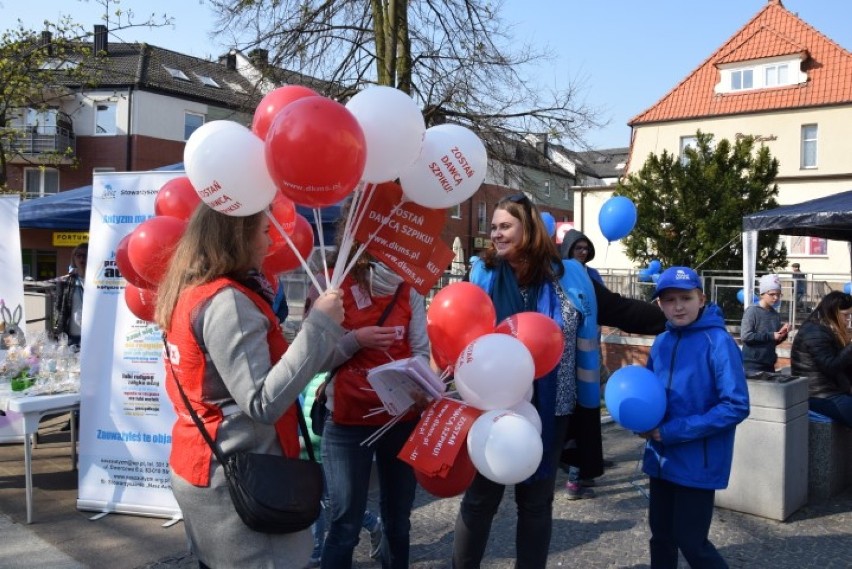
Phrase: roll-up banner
(12, 295)
(125, 415)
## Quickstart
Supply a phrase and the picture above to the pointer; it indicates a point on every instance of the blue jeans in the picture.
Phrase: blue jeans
(838, 407)
(347, 467)
(680, 518)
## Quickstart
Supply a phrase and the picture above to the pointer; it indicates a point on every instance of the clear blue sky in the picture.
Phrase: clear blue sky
(626, 53)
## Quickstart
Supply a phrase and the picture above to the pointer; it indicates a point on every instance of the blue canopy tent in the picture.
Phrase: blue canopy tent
(829, 217)
(71, 210)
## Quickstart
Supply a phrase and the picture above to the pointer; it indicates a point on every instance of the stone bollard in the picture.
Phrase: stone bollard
(769, 476)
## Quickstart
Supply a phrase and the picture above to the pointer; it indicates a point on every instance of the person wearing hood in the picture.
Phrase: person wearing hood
(385, 320)
(575, 245)
(583, 455)
(688, 455)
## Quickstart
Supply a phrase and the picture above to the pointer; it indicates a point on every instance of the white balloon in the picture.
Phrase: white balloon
(504, 446)
(450, 168)
(494, 372)
(393, 129)
(226, 164)
(528, 411)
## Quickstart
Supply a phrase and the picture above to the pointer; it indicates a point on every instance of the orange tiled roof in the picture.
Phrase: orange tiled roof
(772, 32)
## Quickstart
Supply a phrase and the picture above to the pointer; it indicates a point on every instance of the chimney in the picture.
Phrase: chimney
(47, 41)
(231, 60)
(259, 57)
(101, 45)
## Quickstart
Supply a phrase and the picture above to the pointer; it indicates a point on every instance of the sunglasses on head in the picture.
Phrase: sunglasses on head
(521, 199)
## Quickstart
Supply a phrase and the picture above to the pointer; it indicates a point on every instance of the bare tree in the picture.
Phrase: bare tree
(457, 58)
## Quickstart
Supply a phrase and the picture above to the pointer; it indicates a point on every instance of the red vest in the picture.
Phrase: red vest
(190, 455)
(353, 396)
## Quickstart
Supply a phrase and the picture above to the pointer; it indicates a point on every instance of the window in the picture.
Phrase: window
(40, 265)
(809, 146)
(455, 211)
(41, 121)
(547, 189)
(810, 246)
(191, 122)
(40, 182)
(742, 79)
(207, 80)
(105, 119)
(686, 142)
(775, 75)
(482, 217)
(176, 73)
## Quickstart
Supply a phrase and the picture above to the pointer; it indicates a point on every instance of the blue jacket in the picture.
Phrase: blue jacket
(701, 368)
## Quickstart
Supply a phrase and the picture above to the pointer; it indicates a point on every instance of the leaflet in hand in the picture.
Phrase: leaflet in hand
(400, 383)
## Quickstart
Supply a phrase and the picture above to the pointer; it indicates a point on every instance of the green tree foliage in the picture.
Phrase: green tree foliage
(690, 208)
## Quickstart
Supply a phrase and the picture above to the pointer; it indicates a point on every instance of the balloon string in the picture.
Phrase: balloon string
(345, 238)
(286, 237)
(318, 225)
(353, 228)
(372, 235)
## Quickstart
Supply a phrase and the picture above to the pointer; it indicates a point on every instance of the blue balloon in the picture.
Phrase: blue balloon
(655, 277)
(644, 275)
(635, 398)
(617, 218)
(847, 288)
(549, 222)
(741, 296)
(655, 266)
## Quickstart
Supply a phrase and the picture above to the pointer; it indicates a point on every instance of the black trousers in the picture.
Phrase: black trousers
(535, 515)
(680, 518)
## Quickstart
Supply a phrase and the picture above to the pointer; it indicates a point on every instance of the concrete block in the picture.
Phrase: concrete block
(768, 476)
(829, 459)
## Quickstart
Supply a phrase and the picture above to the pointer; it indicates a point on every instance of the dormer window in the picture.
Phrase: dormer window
(769, 73)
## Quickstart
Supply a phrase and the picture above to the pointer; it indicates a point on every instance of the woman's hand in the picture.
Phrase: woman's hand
(653, 434)
(330, 303)
(376, 337)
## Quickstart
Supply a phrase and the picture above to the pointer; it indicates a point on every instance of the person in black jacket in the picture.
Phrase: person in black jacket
(68, 297)
(822, 352)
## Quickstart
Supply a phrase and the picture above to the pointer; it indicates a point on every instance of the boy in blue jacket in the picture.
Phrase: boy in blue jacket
(688, 456)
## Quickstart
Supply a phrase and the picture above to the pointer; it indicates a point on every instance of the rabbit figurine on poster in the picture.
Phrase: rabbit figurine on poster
(10, 326)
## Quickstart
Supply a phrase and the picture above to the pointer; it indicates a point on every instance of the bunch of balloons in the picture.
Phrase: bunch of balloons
(847, 288)
(495, 365)
(651, 273)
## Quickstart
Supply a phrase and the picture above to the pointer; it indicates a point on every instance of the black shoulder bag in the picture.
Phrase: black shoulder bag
(271, 493)
(319, 411)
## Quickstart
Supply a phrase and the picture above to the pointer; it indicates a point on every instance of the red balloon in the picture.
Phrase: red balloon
(273, 102)
(177, 198)
(458, 478)
(151, 246)
(284, 259)
(126, 269)
(540, 334)
(315, 151)
(459, 314)
(142, 302)
(284, 211)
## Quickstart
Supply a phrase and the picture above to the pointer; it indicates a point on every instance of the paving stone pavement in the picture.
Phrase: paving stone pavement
(608, 531)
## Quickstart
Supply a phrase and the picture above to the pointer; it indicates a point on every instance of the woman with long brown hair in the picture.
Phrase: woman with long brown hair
(523, 271)
(822, 352)
(226, 349)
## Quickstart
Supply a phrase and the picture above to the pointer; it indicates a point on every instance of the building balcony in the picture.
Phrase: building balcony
(30, 143)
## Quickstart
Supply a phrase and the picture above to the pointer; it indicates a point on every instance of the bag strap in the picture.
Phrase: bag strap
(384, 316)
(303, 426)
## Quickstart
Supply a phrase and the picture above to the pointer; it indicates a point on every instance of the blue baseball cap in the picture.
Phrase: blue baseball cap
(678, 277)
